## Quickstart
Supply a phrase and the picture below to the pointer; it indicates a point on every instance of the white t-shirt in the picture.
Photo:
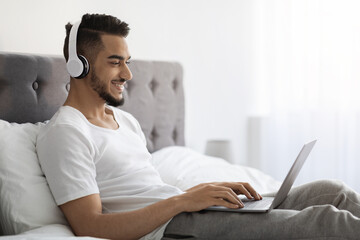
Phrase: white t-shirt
(80, 159)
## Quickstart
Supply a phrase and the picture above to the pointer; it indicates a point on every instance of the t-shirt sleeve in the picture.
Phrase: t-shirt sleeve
(66, 157)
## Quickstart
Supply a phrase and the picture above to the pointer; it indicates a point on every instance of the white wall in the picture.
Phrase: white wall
(211, 38)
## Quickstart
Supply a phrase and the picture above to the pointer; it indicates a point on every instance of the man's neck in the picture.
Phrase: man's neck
(92, 106)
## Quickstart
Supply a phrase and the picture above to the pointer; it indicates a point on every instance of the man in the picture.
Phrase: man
(95, 160)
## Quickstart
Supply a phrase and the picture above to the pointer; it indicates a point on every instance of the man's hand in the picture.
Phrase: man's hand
(218, 193)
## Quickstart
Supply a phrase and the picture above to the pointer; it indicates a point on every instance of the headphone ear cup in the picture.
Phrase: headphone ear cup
(86, 67)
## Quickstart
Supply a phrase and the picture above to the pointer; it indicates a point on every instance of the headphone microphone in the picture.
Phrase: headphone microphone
(77, 65)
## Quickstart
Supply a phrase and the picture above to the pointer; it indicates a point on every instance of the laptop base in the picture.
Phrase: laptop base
(250, 205)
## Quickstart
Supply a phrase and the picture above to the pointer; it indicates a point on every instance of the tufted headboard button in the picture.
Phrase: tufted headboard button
(175, 84)
(153, 85)
(35, 85)
(174, 135)
(153, 134)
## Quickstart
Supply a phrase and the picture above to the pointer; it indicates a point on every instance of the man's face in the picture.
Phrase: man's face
(110, 71)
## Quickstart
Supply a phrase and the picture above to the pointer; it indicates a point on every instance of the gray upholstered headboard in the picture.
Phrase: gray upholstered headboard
(33, 87)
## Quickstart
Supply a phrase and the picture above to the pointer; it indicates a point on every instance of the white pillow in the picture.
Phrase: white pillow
(26, 201)
(185, 168)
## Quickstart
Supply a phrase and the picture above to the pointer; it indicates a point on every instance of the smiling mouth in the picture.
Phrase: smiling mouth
(119, 85)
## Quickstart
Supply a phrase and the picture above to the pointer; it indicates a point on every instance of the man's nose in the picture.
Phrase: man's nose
(126, 73)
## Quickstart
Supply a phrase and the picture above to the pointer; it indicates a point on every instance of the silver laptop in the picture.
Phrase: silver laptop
(269, 203)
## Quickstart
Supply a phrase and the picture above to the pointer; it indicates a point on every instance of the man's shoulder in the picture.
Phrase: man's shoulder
(68, 116)
(65, 118)
(127, 119)
(120, 111)
(124, 115)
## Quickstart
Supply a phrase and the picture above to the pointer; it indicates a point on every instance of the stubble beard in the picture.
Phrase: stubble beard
(100, 88)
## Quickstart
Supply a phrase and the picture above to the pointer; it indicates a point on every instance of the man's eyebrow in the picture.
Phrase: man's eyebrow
(118, 57)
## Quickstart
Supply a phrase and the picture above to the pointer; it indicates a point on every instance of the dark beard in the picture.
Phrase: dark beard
(96, 85)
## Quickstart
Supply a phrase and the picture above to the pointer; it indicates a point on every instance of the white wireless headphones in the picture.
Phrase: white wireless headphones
(77, 65)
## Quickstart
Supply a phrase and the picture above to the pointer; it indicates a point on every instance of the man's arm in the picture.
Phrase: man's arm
(86, 218)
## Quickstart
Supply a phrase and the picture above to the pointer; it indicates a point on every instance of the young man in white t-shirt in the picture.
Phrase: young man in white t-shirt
(95, 160)
(94, 156)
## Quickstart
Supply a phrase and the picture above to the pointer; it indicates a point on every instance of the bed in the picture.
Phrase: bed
(33, 87)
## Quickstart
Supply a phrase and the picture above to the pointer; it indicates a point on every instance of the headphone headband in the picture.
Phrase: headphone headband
(77, 65)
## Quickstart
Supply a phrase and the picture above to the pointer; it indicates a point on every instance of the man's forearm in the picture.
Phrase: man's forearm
(132, 224)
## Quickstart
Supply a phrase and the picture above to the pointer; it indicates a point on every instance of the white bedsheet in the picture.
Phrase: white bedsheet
(50, 232)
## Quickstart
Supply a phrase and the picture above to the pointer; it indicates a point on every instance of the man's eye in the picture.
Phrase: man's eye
(127, 62)
(115, 63)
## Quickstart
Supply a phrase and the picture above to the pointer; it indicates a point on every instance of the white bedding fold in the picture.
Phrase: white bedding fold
(185, 168)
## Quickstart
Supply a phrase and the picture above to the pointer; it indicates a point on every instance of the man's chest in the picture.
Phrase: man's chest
(120, 152)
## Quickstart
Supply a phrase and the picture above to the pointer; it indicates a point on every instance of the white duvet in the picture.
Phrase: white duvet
(185, 168)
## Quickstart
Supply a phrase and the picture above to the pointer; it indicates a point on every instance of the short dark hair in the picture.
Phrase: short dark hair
(89, 34)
